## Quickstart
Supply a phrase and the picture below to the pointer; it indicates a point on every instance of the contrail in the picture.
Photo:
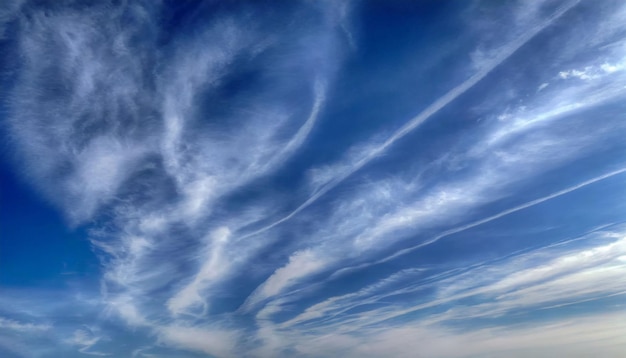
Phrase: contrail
(486, 220)
(494, 217)
(432, 109)
(503, 213)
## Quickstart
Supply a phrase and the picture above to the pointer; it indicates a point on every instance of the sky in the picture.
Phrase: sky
(313, 178)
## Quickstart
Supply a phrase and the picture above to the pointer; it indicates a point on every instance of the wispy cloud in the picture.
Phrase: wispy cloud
(221, 343)
(595, 334)
(117, 131)
(445, 204)
(224, 227)
(567, 273)
(376, 150)
(86, 339)
(23, 326)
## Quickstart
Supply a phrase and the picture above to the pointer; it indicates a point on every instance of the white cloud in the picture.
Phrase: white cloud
(601, 334)
(78, 148)
(18, 326)
(86, 339)
(500, 55)
(530, 281)
(201, 163)
(592, 73)
(216, 342)
(214, 267)
(300, 265)
(127, 310)
(447, 203)
(443, 205)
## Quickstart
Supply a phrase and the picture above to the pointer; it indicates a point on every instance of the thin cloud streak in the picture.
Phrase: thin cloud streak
(182, 145)
(474, 224)
(566, 275)
(546, 114)
(14, 325)
(432, 109)
(444, 204)
(505, 213)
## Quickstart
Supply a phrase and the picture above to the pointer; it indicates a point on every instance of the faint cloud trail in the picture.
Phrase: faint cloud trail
(472, 225)
(456, 230)
(432, 109)
(214, 265)
(504, 213)
(303, 133)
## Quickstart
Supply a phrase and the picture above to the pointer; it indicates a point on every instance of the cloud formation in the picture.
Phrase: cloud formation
(241, 205)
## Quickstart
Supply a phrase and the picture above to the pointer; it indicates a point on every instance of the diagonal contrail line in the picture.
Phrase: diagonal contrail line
(418, 120)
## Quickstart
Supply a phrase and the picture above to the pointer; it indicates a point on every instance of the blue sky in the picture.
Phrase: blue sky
(313, 178)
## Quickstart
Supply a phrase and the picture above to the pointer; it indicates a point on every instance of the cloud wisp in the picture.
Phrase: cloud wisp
(197, 148)
(502, 54)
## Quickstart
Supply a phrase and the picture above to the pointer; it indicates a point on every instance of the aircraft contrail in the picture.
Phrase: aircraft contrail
(504, 213)
(432, 109)
(486, 220)
(482, 221)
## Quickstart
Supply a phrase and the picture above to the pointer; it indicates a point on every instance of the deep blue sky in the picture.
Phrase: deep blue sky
(313, 178)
